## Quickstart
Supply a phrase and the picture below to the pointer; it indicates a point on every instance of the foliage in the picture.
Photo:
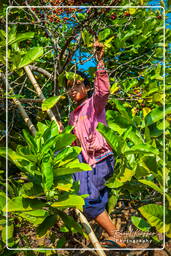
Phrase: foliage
(46, 163)
(55, 41)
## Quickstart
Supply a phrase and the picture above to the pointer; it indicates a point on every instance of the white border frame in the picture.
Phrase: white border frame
(85, 249)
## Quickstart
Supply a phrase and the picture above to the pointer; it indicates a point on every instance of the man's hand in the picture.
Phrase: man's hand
(99, 50)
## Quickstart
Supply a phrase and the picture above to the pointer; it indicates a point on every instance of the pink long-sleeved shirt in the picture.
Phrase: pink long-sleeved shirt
(86, 117)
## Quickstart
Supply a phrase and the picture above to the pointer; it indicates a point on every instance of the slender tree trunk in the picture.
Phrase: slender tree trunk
(91, 234)
(20, 108)
(40, 94)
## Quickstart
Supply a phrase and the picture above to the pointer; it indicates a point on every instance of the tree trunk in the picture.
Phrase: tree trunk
(40, 94)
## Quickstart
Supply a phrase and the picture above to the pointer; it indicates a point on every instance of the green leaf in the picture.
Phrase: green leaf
(21, 37)
(154, 215)
(20, 161)
(49, 222)
(19, 204)
(142, 148)
(2, 200)
(63, 140)
(50, 102)
(87, 37)
(30, 141)
(32, 55)
(35, 217)
(73, 76)
(10, 240)
(62, 79)
(71, 201)
(156, 115)
(41, 127)
(69, 169)
(123, 111)
(108, 44)
(140, 223)
(131, 134)
(104, 34)
(129, 34)
(61, 242)
(70, 222)
(115, 141)
(66, 155)
(30, 190)
(47, 171)
(26, 152)
(152, 185)
(126, 175)
(113, 199)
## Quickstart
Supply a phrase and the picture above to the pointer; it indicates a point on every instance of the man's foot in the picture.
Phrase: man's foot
(114, 241)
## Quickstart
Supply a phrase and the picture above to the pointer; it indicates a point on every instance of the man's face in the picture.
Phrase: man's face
(77, 90)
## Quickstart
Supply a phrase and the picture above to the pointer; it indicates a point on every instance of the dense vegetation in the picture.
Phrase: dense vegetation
(46, 45)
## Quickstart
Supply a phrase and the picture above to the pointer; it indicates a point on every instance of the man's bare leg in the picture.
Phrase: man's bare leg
(105, 222)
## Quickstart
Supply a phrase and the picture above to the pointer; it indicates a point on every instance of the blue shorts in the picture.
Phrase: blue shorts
(92, 183)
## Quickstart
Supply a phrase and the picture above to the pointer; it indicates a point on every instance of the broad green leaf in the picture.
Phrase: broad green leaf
(152, 185)
(61, 242)
(140, 223)
(73, 76)
(61, 79)
(64, 140)
(64, 187)
(130, 133)
(2, 223)
(66, 155)
(157, 114)
(50, 132)
(87, 37)
(48, 145)
(41, 127)
(141, 170)
(35, 217)
(2, 34)
(2, 200)
(114, 88)
(154, 215)
(32, 55)
(132, 10)
(129, 34)
(70, 222)
(122, 110)
(50, 102)
(146, 111)
(112, 139)
(142, 148)
(30, 141)
(104, 34)
(19, 204)
(113, 199)
(49, 222)
(47, 171)
(126, 175)
(21, 37)
(117, 122)
(20, 161)
(71, 201)
(30, 190)
(77, 167)
(9, 238)
(108, 44)
(26, 152)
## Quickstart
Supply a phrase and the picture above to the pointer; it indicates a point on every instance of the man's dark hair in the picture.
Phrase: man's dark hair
(83, 75)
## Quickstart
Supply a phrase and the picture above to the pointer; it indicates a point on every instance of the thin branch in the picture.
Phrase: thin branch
(41, 70)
